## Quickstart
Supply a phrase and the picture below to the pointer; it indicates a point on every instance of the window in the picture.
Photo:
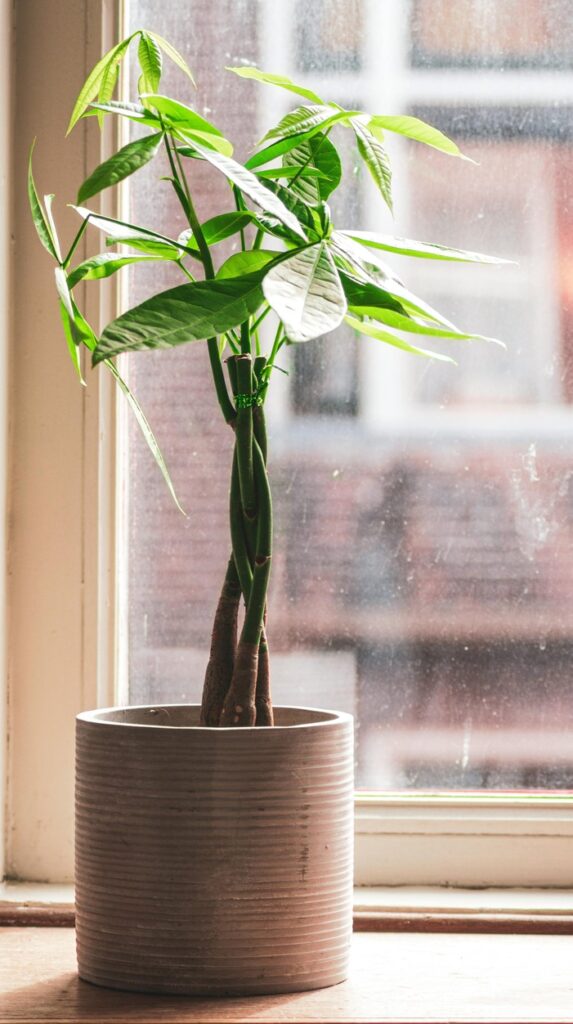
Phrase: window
(451, 490)
(430, 540)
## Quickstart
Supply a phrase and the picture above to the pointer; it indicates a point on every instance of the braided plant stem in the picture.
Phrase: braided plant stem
(240, 707)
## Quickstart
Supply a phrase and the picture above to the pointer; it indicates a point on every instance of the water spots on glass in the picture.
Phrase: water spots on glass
(423, 566)
(536, 502)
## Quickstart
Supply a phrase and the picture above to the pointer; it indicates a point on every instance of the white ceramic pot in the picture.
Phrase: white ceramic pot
(213, 861)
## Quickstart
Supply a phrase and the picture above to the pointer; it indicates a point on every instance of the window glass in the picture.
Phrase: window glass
(423, 576)
(328, 35)
(481, 34)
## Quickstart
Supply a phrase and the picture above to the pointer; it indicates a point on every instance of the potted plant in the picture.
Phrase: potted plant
(214, 843)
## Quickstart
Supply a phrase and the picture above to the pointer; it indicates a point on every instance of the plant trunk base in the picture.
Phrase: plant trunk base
(239, 707)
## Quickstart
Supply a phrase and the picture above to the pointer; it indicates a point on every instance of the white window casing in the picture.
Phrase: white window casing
(61, 503)
(5, 335)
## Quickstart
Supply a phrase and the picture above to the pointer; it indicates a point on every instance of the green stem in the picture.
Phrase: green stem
(204, 251)
(238, 540)
(259, 320)
(259, 424)
(243, 530)
(253, 624)
(239, 205)
(266, 370)
(232, 342)
(185, 271)
(227, 407)
(244, 435)
(75, 243)
(225, 403)
(245, 338)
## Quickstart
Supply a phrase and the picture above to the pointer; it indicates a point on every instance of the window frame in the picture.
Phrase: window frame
(61, 611)
(63, 484)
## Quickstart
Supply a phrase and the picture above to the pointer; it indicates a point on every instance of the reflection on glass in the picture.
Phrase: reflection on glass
(423, 577)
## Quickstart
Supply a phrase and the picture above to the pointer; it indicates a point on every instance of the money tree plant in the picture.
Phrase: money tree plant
(293, 271)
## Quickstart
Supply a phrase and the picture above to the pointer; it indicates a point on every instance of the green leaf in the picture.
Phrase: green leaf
(280, 80)
(70, 341)
(133, 111)
(303, 213)
(246, 263)
(215, 142)
(216, 229)
(376, 159)
(151, 247)
(364, 263)
(150, 62)
(384, 276)
(48, 200)
(401, 322)
(392, 339)
(253, 188)
(119, 166)
(306, 294)
(278, 149)
(131, 234)
(186, 120)
(93, 81)
(78, 330)
(276, 173)
(424, 250)
(190, 312)
(304, 119)
(41, 223)
(111, 75)
(413, 128)
(363, 295)
(82, 330)
(108, 83)
(64, 291)
(315, 155)
(145, 430)
(104, 265)
(172, 53)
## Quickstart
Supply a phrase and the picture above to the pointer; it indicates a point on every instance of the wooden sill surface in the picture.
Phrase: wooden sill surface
(403, 908)
(400, 977)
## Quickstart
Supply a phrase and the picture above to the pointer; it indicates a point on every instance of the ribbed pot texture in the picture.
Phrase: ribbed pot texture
(213, 861)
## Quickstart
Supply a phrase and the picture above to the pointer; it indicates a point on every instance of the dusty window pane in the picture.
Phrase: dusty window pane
(486, 33)
(329, 35)
(423, 575)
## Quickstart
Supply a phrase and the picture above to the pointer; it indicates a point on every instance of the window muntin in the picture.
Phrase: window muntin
(433, 532)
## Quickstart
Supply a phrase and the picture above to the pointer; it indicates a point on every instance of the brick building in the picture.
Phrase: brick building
(424, 563)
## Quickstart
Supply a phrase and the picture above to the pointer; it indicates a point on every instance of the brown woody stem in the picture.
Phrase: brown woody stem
(263, 702)
(239, 707)
(223, 645)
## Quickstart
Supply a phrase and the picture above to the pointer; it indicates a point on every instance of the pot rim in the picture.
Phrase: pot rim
(98, 716)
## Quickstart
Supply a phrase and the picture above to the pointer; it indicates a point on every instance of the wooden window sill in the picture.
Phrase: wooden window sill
(395, 977)
(402, 908)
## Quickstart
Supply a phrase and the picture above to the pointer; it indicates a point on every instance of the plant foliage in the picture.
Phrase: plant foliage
(291, 265)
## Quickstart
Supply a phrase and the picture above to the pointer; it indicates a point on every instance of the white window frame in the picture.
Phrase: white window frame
(61, 620)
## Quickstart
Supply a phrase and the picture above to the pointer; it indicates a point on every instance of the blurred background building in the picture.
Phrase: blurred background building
(423, 576)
